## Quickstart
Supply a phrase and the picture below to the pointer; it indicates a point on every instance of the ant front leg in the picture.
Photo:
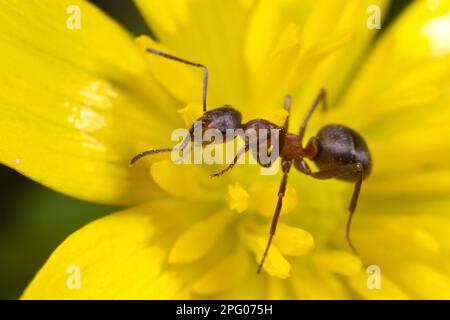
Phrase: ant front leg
(241, 152)
(357, 168)
(287, 107)
(263, 144)
(286, 165)
(322, 96)
(261, 150)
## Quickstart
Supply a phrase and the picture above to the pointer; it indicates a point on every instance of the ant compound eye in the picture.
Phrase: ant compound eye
(201, 123)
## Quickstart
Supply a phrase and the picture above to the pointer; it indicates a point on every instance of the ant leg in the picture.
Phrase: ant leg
(205, 70)
(287, 107)
(286, 165)
(283, 132)
(282, 135)
(261, 145)
(242, 151)
(320, 97)
(334, 173)
(352, 209)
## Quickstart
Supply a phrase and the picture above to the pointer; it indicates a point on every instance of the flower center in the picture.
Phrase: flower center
(313, 212)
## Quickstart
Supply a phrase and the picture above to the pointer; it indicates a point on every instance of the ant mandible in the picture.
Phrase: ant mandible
(338, 151)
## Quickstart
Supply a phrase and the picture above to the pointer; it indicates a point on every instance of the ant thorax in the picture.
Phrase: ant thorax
(262, 138)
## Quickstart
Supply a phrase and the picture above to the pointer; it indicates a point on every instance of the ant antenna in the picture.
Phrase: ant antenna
(194, 64)
(162, 150)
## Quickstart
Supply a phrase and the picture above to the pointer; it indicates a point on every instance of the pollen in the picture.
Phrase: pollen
(239, 197)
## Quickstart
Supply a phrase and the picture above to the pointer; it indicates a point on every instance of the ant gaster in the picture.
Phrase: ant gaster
(339, 152)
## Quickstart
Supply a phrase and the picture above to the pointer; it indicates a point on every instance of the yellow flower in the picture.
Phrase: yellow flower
(77, 104)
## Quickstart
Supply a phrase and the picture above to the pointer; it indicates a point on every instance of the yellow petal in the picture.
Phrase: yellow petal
(273, 17)
(313, 56)
(332, 36)
(78, 104)
(275, 265)
(238, 197)
(199, 239)
(411, 240)
(438, 227)
(340, 262)
(123, 255)
(345, 24)
(214, 32)
(272, 78)
(312, 283)
(421, 281)
(249, 287)
(223, 275)
(196, 184)
(293, 241)
(277, 289)
(423, 183)
(182, 81)
(278, 116)
(190, 113)
(415, 75)
(388, 289)
(264, 197)
(407, 145)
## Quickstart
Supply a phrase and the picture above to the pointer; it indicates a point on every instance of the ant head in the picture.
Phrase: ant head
(220, 120)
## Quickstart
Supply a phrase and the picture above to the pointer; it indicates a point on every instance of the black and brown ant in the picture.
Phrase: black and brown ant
(338, 151)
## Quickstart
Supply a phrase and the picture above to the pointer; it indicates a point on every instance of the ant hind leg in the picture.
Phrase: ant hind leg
(334, 173)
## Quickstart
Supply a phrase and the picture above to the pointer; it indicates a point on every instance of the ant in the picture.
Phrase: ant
(338, 151)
